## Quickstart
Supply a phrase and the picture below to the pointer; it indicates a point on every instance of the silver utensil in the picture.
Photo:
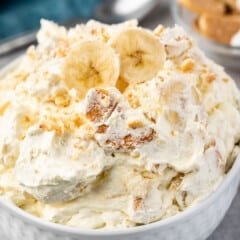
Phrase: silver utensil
(109, 11)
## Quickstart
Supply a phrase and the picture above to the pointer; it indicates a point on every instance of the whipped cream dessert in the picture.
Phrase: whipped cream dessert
(114, 126)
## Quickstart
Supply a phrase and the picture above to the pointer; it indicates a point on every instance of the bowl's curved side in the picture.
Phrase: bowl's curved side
(196, 223)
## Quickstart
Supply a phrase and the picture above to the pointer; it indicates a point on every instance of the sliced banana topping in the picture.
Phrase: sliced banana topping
(91, 64)
(142, 55)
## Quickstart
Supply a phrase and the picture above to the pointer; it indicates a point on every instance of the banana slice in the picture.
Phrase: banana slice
(91, 64)
(141, 54)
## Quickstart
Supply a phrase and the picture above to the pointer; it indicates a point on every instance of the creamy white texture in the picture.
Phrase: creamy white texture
(9, 143)
(115, 159)
(180, 120)
(48, 163)
(50, 34)
(235, 40)
(124, 193)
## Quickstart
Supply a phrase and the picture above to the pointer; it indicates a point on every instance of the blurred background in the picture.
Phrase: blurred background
(18, 16)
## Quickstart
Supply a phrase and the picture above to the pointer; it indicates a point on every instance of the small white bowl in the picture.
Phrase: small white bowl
(223, 54)
(195, 223)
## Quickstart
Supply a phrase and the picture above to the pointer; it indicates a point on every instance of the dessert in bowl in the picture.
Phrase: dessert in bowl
(115, 131)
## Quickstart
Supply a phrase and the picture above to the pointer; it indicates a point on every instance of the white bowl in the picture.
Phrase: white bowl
(223, 54)
(196, 223)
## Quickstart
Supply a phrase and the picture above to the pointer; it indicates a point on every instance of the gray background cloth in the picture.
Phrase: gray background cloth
(229, 229)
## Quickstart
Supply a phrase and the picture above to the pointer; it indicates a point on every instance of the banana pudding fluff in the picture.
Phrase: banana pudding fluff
(114, 126)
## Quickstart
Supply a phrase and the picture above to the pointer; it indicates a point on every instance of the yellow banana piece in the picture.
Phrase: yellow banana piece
(91, 64)
(142, 55)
